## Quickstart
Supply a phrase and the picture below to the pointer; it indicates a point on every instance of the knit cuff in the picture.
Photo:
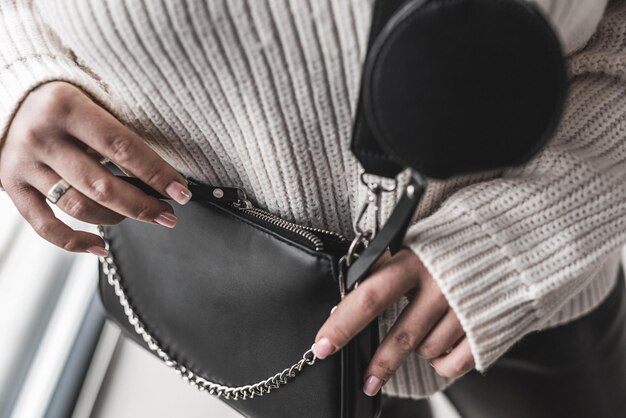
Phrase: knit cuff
(19, 78)
(481, 281)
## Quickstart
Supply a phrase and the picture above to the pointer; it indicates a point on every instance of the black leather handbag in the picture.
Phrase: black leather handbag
(232, 298)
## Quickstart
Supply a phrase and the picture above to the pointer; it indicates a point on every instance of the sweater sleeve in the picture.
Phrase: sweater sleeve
(510, 252)
(32, 54)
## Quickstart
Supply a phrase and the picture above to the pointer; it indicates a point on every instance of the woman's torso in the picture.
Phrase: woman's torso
(257, 94)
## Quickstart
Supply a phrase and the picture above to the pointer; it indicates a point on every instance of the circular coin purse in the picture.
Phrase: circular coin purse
(458, 86)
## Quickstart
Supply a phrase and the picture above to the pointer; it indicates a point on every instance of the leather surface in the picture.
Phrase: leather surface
(373, 158)
(457, 86)
(237, 303)
(200, 192)
(356, 357)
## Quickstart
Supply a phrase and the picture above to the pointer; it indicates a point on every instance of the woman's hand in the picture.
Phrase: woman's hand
(59, 132)
(427, 325)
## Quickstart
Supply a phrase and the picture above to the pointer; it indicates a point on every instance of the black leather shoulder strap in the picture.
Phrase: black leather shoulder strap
(364, 146)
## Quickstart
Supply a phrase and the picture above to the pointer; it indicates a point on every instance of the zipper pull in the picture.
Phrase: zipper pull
(243, 203)
(217, 194)
(199, 192)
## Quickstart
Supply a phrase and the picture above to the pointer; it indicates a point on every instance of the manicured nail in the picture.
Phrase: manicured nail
(431, 364)
(323, 348)
(178, 192)
(99, 251)
(372, 385)
(167, 219)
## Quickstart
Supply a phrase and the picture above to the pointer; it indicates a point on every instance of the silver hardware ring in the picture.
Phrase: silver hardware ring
(371, 185)
(360, 238)
(57, 191)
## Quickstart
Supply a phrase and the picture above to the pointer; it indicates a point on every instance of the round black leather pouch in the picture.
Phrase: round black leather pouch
(457, 86)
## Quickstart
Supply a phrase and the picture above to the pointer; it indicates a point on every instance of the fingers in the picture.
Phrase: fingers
(96, 183)
(442, 337)
(38, 150)
(416, 320)
(384, 257)
(427, 320)
(385, 285)
(105, 134)
(455, 364)
(72, 202)
(32, 206)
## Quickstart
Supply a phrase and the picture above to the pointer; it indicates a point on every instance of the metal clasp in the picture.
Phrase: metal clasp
(375, 190)
(358, 243)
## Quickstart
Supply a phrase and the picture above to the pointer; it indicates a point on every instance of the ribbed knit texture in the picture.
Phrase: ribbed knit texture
(261, 94)
(30, 54)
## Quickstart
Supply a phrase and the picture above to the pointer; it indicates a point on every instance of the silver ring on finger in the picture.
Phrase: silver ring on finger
(457, 342)
(57, 190)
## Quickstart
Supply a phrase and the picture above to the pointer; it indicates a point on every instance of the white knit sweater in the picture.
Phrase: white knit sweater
(260, 94)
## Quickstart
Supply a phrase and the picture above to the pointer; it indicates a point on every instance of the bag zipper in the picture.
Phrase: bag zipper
(236, 198)
(308, 233)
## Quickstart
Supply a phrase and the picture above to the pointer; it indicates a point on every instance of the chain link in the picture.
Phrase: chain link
(221, 391)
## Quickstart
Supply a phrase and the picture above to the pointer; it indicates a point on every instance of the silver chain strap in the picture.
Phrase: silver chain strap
(226, 392)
